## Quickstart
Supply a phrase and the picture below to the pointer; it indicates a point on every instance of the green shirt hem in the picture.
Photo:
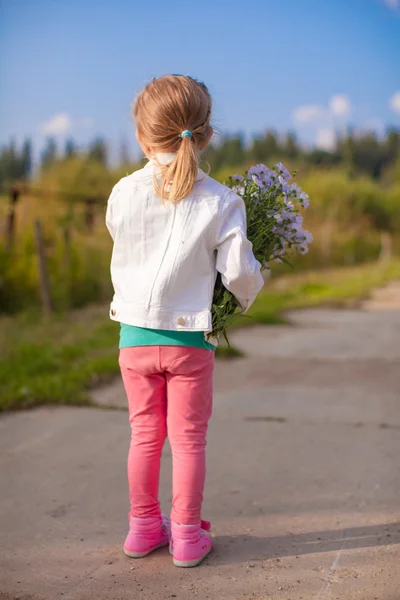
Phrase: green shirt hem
(139, 336)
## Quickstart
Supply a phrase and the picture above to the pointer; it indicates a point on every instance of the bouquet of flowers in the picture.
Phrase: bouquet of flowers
(274, 226)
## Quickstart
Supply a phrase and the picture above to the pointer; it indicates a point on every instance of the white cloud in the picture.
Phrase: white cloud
(326, 139)
(395, 102)
(393, 4)
(308, 113)
(58, 124)
(340, 105)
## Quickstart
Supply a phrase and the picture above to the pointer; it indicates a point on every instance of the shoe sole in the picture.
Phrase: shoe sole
(143, 554)
(191, 563)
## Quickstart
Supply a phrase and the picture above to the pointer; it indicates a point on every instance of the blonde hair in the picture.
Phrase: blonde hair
(165, 108)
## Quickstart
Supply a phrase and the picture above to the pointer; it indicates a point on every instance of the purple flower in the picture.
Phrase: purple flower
(304, 200)
(303, 238)
(289, 204)
(262, 176)
(284, 186)
(282, 170)
(300, 196)
(259, 171)
(309, 236)
(238, 189)
(237, 178)
(296, 189)
(274, 209)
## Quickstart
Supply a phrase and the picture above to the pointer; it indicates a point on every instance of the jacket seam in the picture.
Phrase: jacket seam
(221, 208)
(246, 266)
(178, 250)
(162, 258)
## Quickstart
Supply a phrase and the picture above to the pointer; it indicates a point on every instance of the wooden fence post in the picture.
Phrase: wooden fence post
(43, 274)
(10, 220)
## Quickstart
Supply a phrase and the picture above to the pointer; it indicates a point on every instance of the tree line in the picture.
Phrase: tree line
(16, 162)
(364, 153)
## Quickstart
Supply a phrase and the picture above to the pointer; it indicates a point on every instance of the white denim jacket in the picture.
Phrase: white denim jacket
(166, 255)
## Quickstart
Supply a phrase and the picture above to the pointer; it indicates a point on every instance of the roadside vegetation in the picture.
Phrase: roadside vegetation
(58, 359)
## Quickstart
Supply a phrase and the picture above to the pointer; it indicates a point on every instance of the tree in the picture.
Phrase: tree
(26, 159)
(8, 163)
(271, 145)
(318, 156)
(257, 151)
(49, 154)
(98, 151)
(392, 146)
(368, 154)
(347, 151)
(77, 179)
(15, 163)
(233, 150)
(70, 149)
(290, 147)
(265, 147)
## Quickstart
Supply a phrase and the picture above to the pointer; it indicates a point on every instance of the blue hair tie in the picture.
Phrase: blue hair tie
(186, 133)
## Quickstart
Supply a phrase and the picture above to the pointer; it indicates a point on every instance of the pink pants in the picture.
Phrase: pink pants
(169, 389)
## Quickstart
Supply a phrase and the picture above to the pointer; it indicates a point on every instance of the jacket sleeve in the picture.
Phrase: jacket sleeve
(110, 220)
(240, 271)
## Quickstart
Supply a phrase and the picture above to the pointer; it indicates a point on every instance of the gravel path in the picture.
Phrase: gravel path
(303, 482)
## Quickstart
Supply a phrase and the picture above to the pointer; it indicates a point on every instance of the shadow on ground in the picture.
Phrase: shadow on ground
(243, 548)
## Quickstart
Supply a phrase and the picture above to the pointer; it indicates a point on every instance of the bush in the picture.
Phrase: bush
(346, 216)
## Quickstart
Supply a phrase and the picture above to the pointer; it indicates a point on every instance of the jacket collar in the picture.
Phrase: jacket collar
(161, 158)
(164, 158)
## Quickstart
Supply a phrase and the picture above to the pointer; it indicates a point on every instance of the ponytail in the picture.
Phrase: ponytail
(173, 114)
(179, 176)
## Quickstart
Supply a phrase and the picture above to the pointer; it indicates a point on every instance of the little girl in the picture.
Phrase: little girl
(173, 228)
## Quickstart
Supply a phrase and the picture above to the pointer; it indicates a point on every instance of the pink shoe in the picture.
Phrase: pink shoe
(190, 543)
(146, 535)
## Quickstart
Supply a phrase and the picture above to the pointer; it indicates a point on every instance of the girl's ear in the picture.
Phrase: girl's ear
(146, 149)
(207, 140)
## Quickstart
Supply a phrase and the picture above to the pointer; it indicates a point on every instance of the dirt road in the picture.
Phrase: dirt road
(303, 482)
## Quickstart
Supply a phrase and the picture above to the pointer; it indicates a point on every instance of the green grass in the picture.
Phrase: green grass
(56, 361)
(225, 352)
(329, 287)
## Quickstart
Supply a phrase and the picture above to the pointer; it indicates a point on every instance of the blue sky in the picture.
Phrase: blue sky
(313, 66)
